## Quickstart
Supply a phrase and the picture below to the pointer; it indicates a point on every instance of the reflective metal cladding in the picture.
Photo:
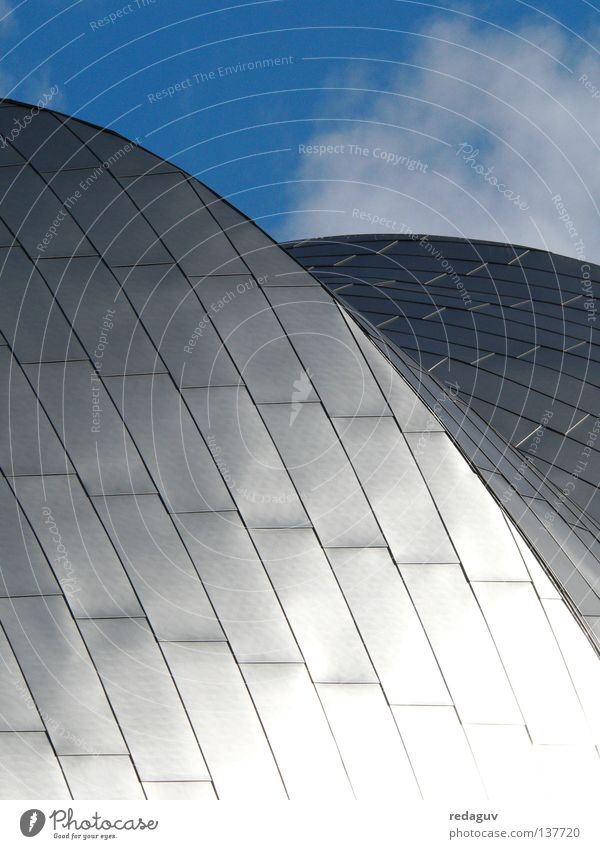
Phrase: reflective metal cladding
(251, 546)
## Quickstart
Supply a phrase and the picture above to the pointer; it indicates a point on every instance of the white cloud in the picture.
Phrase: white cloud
(516, 97)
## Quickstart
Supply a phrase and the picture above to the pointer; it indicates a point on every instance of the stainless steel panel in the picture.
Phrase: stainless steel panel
(314, 606)
(159, 568)
(580, 658)
(30, 208)
(534, 664)
(369, 742)
(90, 426)
(439, 752)
(179, 461)
(117, 154)
(180, 791)
(29, 319)
(298, 732)
(8, 155)
(322, 474)
(462, 643)
(396, 490)
(245, 454)
(556, 765)
(44, 141)
(542, 583)
(61, 677)
(74, 541)
(179, 326)
(579, 553)
(389, 625)
(224, 720)
(144, 699)
(410, 412)
(102, 777)
(271, 265)
(110, 219)
(23, 568)
(101, 315)
(579, 591)
(29, 768)
(504, 758)
(18, 711)
(238, 587)
(185, 226)
(328, 351)
(255, 339)
(30, 446)
(6, 238)
(475, 522)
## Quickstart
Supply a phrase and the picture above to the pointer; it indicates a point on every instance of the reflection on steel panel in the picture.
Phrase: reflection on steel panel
(187, 229)
(504, 757)
(110, 219)
(178, 325)
(244, 453)
(540, 580)
(328, 351)
(29, 769)
(85, 564)
(47, 144)
(580, 658)
(30, 319)
(29, 206)
(101, 777)
(225, 721)
(396, 490)
(581, 766)
(100, 314)
(91, 428)
(369, 743)
(439, 752)
(475, 523)
(23, 568)
(30, 446)
(314, 606)
(238, 587)
(159, 568)
(536, 668)
(144, 699)
(17, 708)
(118, 155)
(6, 238)
(180, 791)
(254, 338)
(271, 265)
(61, 676)
(162, 428)
(462, 643)
(388, 623)
(322, 474)
(410, 412)
(297, 729)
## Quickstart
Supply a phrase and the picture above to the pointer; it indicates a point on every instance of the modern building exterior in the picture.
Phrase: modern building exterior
(249, 549)
(508, 336)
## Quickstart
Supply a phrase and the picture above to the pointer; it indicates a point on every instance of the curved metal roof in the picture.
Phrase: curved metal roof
(243, 556)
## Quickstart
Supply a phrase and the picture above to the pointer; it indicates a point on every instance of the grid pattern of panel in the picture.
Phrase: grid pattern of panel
(243, 558)
(502, 341)
(513, 330)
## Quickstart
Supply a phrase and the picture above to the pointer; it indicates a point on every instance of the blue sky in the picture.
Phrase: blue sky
(512, 82)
